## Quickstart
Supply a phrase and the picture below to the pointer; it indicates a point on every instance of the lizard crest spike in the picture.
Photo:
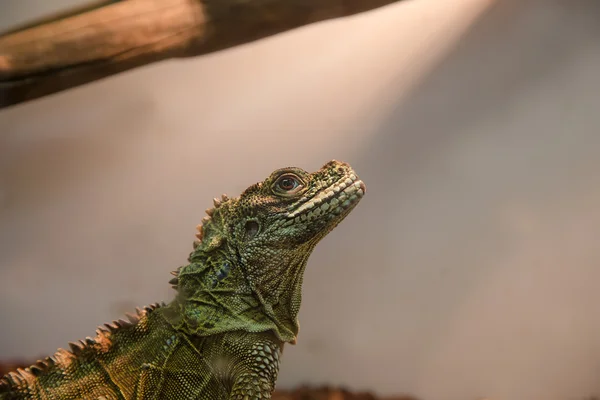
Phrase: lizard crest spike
(112, 326)
(134, 318)
(76, 347)
(238, 298)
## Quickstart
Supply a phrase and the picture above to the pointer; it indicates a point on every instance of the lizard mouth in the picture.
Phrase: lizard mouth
(342, 196)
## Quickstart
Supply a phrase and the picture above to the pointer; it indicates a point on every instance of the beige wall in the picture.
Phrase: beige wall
(471, 267)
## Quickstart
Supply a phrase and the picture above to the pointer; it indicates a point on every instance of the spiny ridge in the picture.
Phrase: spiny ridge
(209, 213)
(175, 281)
(22, 375)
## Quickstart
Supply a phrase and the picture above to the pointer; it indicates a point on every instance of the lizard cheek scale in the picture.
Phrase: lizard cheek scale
(236, 305)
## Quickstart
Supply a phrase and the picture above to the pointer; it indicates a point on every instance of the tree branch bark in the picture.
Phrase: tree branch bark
(97, 42)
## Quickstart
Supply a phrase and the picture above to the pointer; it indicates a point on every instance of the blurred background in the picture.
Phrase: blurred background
(470, 269)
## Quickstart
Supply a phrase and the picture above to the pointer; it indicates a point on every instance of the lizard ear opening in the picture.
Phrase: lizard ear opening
(251, 229)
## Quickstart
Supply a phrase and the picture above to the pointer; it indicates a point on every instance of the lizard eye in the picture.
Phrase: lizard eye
(288, 184)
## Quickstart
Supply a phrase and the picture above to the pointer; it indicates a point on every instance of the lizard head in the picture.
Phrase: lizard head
(292, 210)
(259, 243)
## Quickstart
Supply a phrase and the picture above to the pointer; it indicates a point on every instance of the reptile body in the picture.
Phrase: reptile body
(237, 304)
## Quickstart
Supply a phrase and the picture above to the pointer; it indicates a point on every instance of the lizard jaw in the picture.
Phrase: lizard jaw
(339, 197)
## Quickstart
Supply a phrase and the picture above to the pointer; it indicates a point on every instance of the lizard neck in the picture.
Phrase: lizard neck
(219, 291)
(278, 285)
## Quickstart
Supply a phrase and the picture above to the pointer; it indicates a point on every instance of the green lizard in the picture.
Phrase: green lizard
(237, 303)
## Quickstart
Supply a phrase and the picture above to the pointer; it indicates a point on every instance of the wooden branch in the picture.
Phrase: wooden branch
(100, 41)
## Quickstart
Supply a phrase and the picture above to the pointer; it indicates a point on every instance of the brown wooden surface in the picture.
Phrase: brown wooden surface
(97, 42)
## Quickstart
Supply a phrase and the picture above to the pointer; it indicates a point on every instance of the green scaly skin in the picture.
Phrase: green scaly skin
(237, 304)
